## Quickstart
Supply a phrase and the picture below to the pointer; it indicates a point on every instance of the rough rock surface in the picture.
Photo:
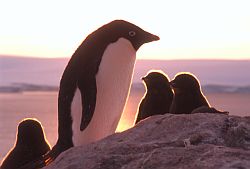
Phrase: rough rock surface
(189, 141)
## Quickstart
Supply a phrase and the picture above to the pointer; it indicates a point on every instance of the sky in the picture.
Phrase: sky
(189, 29)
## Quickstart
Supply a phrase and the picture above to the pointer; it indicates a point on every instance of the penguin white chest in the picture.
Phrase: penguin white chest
(113, 82)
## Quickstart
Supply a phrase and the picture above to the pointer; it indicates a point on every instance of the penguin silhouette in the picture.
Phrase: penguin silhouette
(158, 97)
(30, 145)
(188, 96)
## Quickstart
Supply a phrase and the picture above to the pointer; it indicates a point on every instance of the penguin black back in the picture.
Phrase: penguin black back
(158, 97)
(83, 67)
(81, 73)
(187, 94)
(30, 145)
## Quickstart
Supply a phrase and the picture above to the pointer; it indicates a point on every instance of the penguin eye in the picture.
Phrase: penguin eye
(132, 33)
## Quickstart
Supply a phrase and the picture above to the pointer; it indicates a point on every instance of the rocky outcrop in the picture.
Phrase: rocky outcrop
(189, 141)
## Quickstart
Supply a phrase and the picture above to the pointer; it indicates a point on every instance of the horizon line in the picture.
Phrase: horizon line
(150, 59)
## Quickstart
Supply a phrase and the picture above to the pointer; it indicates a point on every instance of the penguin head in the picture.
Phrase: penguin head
(123, 29)
(185, 82)
(156, 80)
(30, 133)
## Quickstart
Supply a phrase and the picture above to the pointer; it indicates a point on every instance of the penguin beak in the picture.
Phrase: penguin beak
(150, 37)
(144, 37)
(173, 86)
(145, 79)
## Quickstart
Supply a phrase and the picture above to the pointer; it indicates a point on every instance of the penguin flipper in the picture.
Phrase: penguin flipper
(88, 93)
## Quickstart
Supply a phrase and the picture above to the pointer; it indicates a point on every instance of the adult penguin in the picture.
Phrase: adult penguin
(96, 82)
(158, 97)
(95, 85)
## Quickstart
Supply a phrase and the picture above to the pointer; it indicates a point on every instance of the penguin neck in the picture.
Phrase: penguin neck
(113, 81)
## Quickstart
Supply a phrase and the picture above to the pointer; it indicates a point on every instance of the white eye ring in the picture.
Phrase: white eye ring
(132, 33)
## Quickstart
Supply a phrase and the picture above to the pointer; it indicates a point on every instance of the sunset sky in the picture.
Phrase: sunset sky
(189, 29)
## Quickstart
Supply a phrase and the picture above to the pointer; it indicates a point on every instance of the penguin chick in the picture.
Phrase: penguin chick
(187, 94)
(158, 97)
(30, 145)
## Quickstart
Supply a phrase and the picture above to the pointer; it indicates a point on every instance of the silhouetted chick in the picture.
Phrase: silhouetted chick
(188, 97)
(30, 145)
(158, 97)
(187, 94)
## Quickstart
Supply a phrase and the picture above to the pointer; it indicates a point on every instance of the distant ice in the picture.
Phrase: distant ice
(47, 72)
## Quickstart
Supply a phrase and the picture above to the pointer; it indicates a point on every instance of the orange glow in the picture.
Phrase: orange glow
(127, 119)
(130, 113)
(123, 126)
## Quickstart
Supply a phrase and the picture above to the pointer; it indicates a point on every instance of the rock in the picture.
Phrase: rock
(187, 141)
